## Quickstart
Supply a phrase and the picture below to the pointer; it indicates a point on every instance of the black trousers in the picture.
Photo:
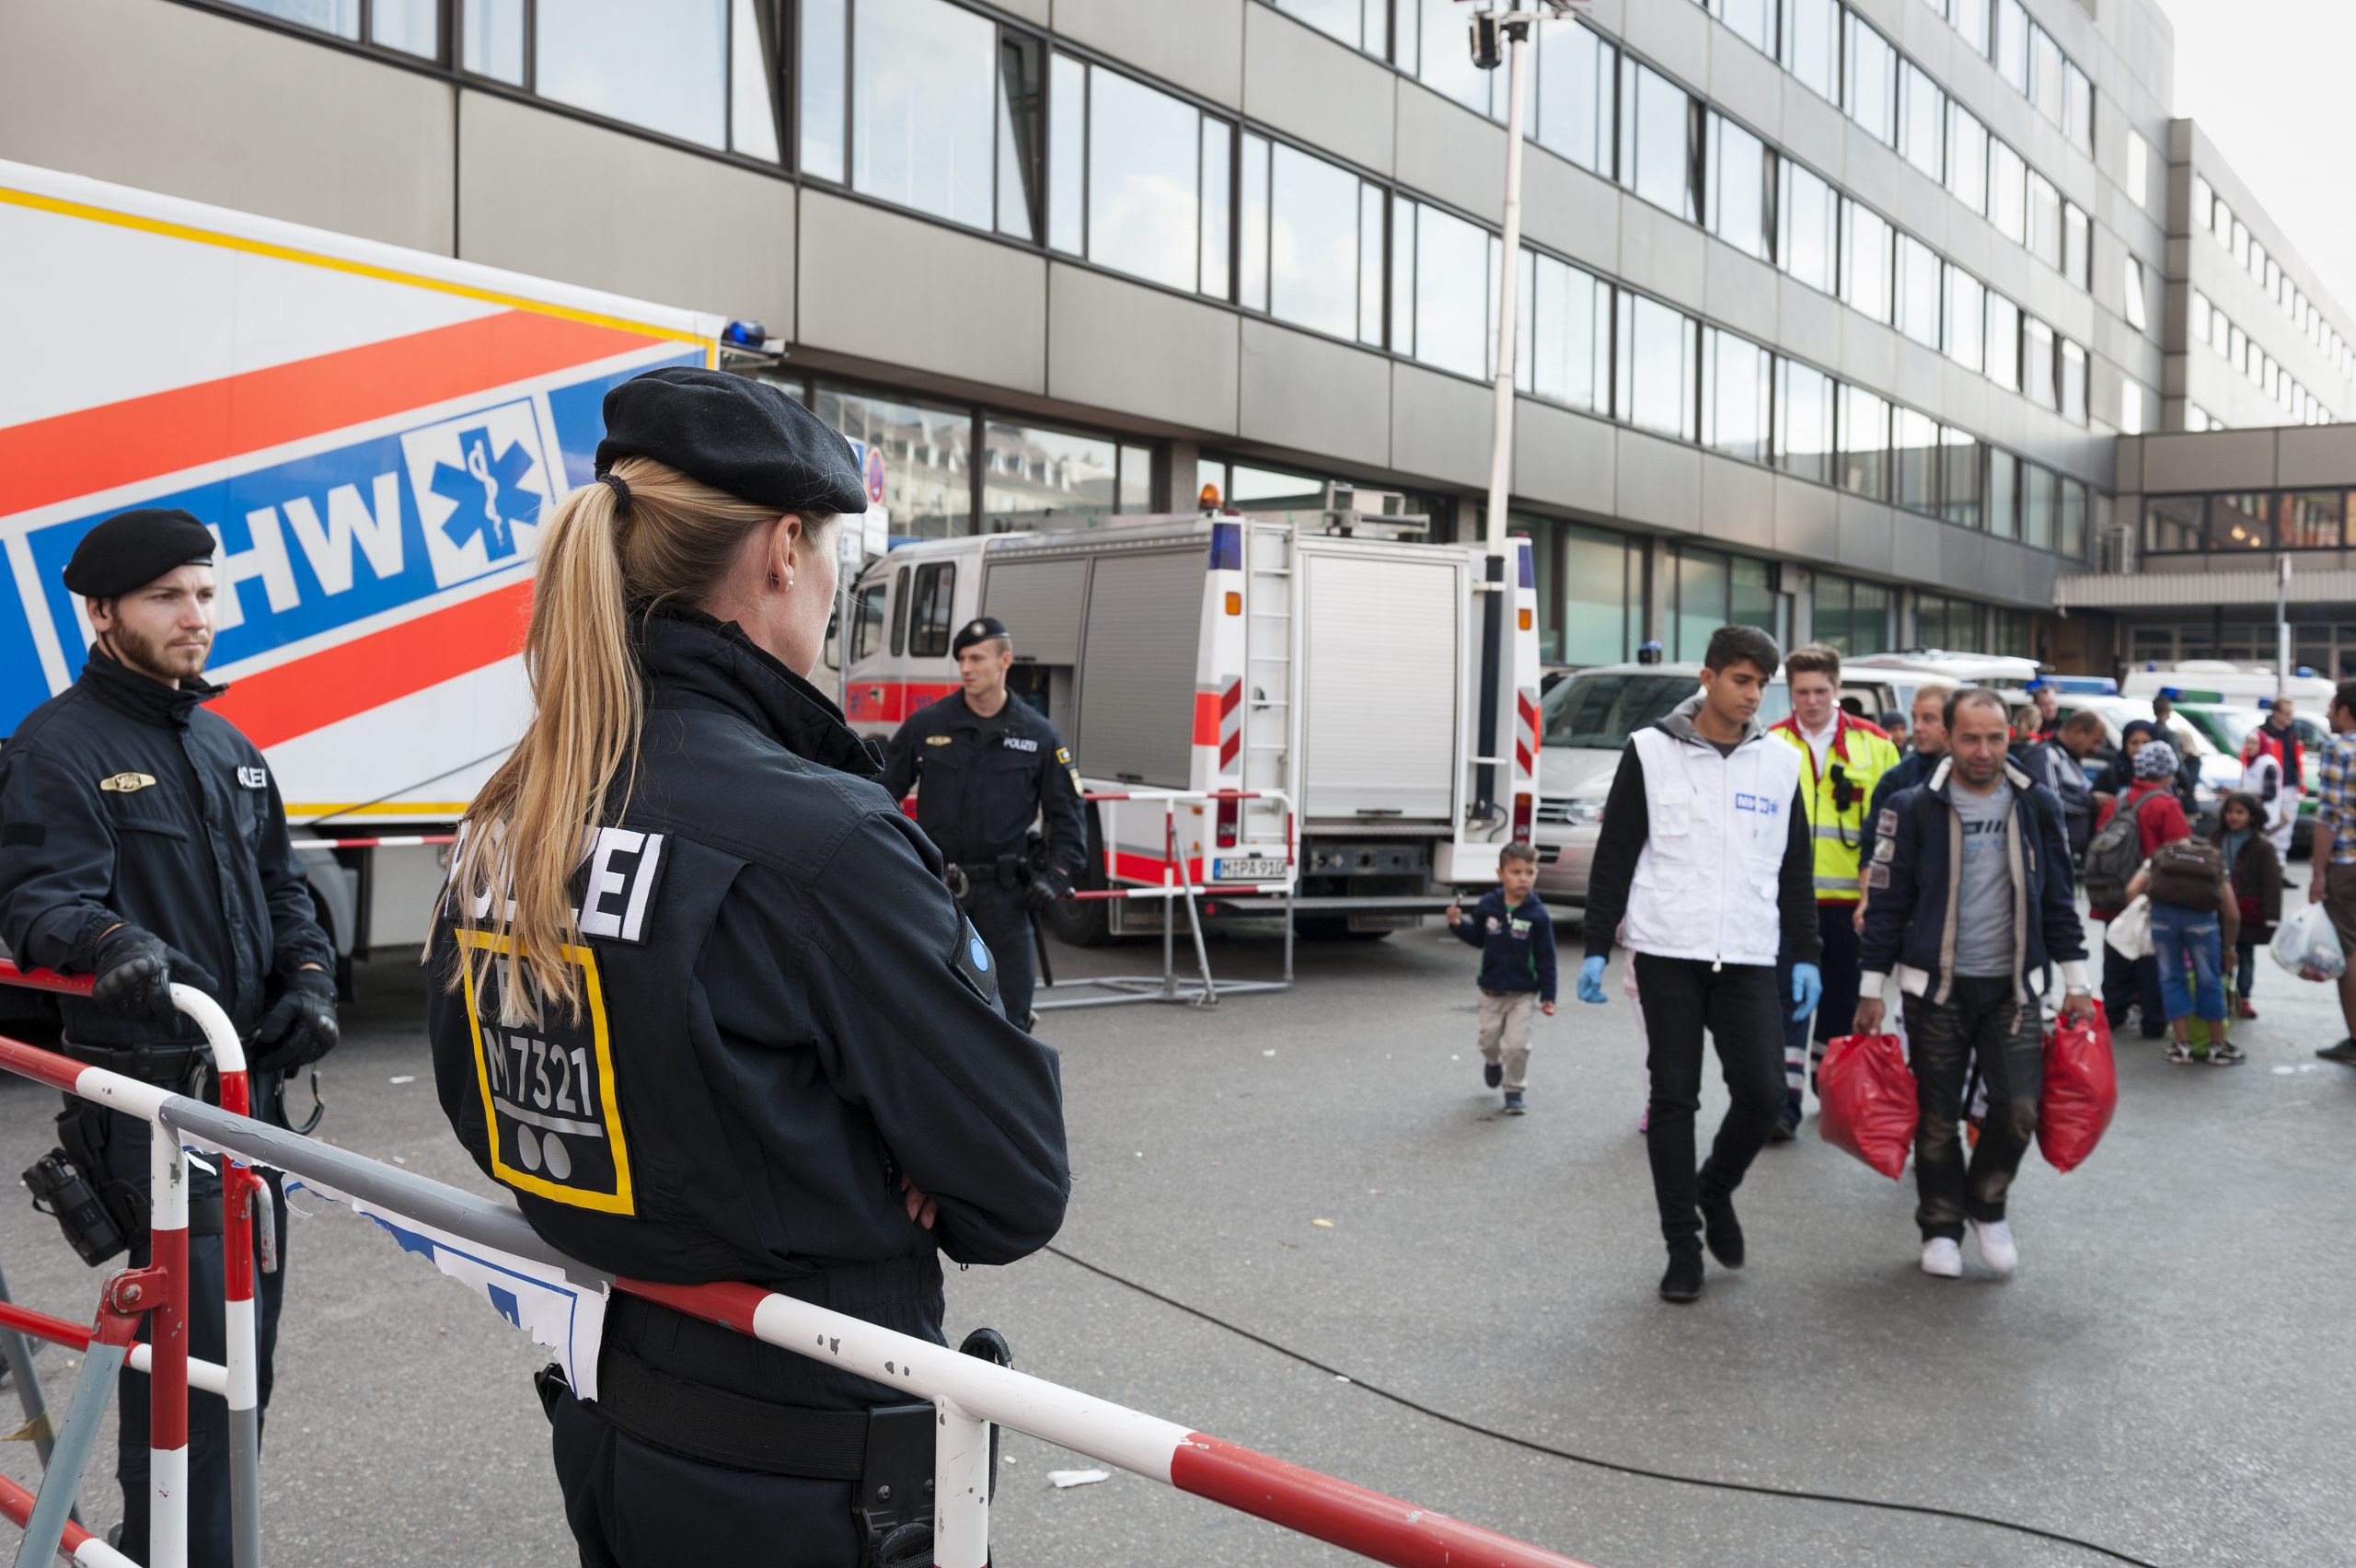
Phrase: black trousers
(2128, 982)
(1980, 1019)
(208, 1416)
(1004, 921)
(1839, 966)
(1736, 1004)
(634, 1505)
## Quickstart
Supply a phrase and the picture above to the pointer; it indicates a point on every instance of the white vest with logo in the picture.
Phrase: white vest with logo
(1705, 883)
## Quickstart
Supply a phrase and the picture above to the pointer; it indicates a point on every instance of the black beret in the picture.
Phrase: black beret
(979, 631)
(131, 549)
(736, 434)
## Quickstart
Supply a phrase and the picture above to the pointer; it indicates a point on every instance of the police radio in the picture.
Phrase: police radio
(61, 1192)
(1845, 793)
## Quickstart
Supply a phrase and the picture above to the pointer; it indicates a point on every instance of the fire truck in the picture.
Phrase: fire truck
(1314, 677)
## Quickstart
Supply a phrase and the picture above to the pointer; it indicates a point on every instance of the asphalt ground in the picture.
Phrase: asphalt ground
(2169, 1375)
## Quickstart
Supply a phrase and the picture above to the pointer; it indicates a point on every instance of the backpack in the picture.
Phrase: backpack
(2188, 873)
(2115, 856)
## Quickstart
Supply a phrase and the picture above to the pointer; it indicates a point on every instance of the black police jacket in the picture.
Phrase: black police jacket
(122, 799)
(785, 1012)
(981, 782)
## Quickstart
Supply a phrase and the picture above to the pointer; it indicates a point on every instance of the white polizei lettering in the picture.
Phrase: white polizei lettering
(604, 880)
(266, 558)
(350, 522)
(644, 887)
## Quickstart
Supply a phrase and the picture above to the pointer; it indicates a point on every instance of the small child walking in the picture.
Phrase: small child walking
(1517, 942)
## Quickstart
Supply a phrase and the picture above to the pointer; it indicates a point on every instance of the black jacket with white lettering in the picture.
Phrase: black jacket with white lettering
(787, 1014)
(122, 799)
(981, 782)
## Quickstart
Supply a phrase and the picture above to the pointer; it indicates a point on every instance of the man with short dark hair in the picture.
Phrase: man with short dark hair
(2332, 884)
(1710, 808)
(2282, 733)
(2057, 762)
(1971, 899)
(2048, 710)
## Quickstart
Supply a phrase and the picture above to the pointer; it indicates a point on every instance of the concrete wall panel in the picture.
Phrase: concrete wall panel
(1439, 426)
(1121, 345)
(1198, 45)
(2235, 459)
(1867, 537)
(1569, 210)
(1660, 482)
(2322, 456)
(1314, 394)
(1564, 458)
(1668, 256)
(1675, 38)
(1318, 89)
(1746, 84)
(961, 305)
(1741, 293)
(1449, 151)
(1808, 520)
(1738, 502)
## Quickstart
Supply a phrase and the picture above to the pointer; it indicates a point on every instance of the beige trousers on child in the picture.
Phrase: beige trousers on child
(1505, 1031)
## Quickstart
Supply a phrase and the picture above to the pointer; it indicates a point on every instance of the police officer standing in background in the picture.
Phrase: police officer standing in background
(142, 841)
(985, 767)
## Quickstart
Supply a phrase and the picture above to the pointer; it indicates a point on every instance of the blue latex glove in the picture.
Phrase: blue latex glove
(1808, 986)
(1591, 982)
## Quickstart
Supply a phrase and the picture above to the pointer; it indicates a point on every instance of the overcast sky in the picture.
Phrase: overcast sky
(2268, 82)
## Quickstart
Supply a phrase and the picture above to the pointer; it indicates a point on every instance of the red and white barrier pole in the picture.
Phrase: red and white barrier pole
(207, 1376)
(78, 1546)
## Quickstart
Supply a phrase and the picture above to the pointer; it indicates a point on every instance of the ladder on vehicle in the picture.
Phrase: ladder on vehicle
(1268, 666)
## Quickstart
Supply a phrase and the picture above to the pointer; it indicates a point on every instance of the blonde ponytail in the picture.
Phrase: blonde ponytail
(603, 560)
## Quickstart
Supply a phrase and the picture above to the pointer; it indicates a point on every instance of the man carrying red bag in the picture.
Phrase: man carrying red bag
(1971, 899)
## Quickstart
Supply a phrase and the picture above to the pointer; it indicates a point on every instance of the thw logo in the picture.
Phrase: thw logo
(481, 482)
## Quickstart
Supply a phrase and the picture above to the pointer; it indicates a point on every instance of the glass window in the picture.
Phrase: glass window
(1656, 127)
(1750, 595)
(599, 56)
(2044, 220)
(752, 71)
(2078, 108)
(1066, 152)
(2131, 409)
(1966, 158)
(2003, 494)
(2045, 73)
(1918, 291)
(2012, 43)
(1447, 65)
(1313, 214)
(1872, 84)
(1602, 580)
(2007, 193)
(2004, 364)
(2071, 501)
(1451, 286)
(1372, 202)
(2172, 525)
(1738, 180)
(1960, 477)
(1949, 624)
(2037, 506)
(1361, 24)
(1812, 45)
(1809, 215)
(1737, 382)
(413, 27)
(936, 594)
(1218, 153)
(1804, 435)
(2200, 309)
(1865, 262)
(1864, 443)
(1029, 475)
(2076, 245)
(2037, 362)
(340, 17)
(2241, 241)
(491, 44)
(1402, 267)
(1021, 164)
(1753, 21)
(924, 98)
(1573, 112)
(1702, 593)
(1922, 116)
(1914, 446)
(2139, 179)
(1654, 385)
(901, 584)
(867, 622)
(1966, 325)
(1144, 180)
(2204, 204)
(2138, 314)
(2313, 520)
(1970, 19)
(2240, 522)
(1571, 336)
(925, 449)
(2073, 381)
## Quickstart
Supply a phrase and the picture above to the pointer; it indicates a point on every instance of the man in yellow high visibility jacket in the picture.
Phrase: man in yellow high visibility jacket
(1843, 757)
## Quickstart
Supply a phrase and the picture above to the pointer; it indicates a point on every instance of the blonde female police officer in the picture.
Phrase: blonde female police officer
(704, 1003)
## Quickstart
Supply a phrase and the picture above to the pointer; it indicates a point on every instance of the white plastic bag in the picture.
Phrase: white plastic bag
(2130, 935)
(2307, 945)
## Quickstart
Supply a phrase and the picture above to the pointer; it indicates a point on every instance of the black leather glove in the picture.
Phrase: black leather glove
(135, 970)
(1047, 887)
(301, 1028)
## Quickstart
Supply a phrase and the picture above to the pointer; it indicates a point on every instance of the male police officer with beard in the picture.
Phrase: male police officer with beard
(986, 767)
(142, 841)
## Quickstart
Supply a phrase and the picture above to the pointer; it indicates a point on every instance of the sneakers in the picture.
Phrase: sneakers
(2344, 1053)
(1996, 1248)
(2179, 1053)
(2225, 1053)
(1786, 1127)
(1943, 1258)
(2243, 1009)
(1513, 1104)
(1721, 1232)
(1682, 1282)
(1493, 1073)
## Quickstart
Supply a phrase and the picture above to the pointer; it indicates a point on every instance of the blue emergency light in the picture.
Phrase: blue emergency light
(745, 334)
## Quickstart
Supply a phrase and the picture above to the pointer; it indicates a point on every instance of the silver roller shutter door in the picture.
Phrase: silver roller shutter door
(1137, 691)
(1040, 603)
(1379, 690)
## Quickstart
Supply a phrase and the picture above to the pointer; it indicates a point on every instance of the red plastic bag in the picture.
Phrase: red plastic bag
(1868, 1105)
(2081, 1090)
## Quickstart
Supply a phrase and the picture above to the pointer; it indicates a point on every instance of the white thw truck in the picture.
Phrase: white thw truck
(1327, 665)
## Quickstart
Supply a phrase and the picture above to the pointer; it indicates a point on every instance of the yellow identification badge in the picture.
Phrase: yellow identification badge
(127, 783)
(548, 1094)
(938, 740)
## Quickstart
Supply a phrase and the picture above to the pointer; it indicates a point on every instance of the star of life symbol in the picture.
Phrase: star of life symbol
(481, 481)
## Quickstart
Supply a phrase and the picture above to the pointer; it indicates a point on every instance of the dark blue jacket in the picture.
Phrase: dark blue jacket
(1516, 945)
(1913, 768)
(1912, 889)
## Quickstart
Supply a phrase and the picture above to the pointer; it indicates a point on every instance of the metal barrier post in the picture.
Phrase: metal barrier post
(126, 1298)
(19, 1354)
(961, 1488)
(167, 1332)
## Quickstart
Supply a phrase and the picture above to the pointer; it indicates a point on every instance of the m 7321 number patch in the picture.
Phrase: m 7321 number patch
(549, 1109)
